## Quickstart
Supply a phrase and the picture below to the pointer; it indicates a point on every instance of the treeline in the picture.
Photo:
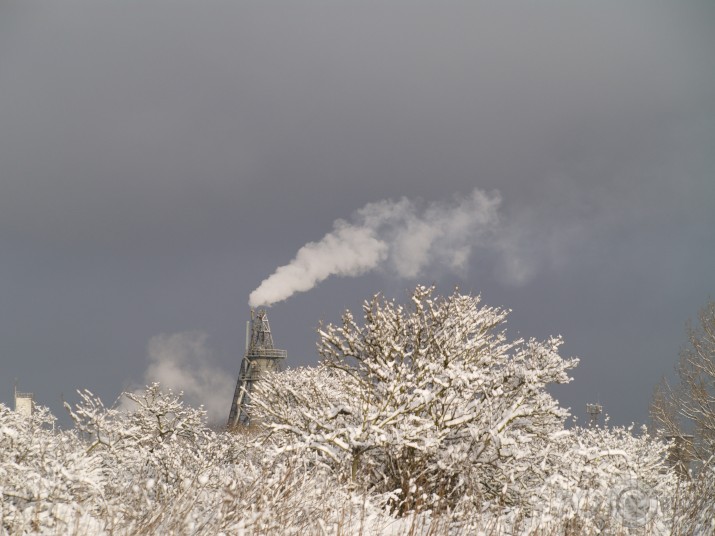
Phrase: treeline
(422, 418)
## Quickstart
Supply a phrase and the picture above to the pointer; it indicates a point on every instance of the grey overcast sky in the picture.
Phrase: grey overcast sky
(158, 160)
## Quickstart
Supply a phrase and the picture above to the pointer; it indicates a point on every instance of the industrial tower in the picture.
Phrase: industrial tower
(594, 412)
(260, 356)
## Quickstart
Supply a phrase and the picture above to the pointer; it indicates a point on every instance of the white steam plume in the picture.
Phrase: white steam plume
(394, 234)
(183, 362)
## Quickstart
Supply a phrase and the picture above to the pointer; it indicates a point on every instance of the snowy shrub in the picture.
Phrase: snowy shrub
(428, 403)
(604, 478)
(192, 480)
(423, 420)
(151, 455)
(48, 484)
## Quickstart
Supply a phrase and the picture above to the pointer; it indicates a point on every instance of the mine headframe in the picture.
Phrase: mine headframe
(260, 356)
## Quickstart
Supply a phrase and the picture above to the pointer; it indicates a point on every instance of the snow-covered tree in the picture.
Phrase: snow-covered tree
(48, 483)
(689, 406)
(427, 402)
(152, 455)
(603, 479)
(157, 469)
(422, 419)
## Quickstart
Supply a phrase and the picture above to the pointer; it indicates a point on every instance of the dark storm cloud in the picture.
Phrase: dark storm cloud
(160, 159)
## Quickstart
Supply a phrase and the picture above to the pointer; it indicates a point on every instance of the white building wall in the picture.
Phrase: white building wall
(23, 404)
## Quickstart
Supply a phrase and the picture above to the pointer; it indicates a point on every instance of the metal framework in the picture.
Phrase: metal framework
(594, 412)
(260, 356)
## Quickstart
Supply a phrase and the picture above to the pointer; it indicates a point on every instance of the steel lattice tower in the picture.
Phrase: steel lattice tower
(260, 356)
(594, 412)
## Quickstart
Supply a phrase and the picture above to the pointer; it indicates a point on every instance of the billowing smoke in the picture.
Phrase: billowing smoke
(183, 362)
(397, 235)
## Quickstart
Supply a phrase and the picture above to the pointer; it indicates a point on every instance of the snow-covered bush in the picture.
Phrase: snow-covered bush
(197, 481)
(48, 483)
(602, 478)
(428, 403)
(166, 472)
(422, 420)
(151, 454)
